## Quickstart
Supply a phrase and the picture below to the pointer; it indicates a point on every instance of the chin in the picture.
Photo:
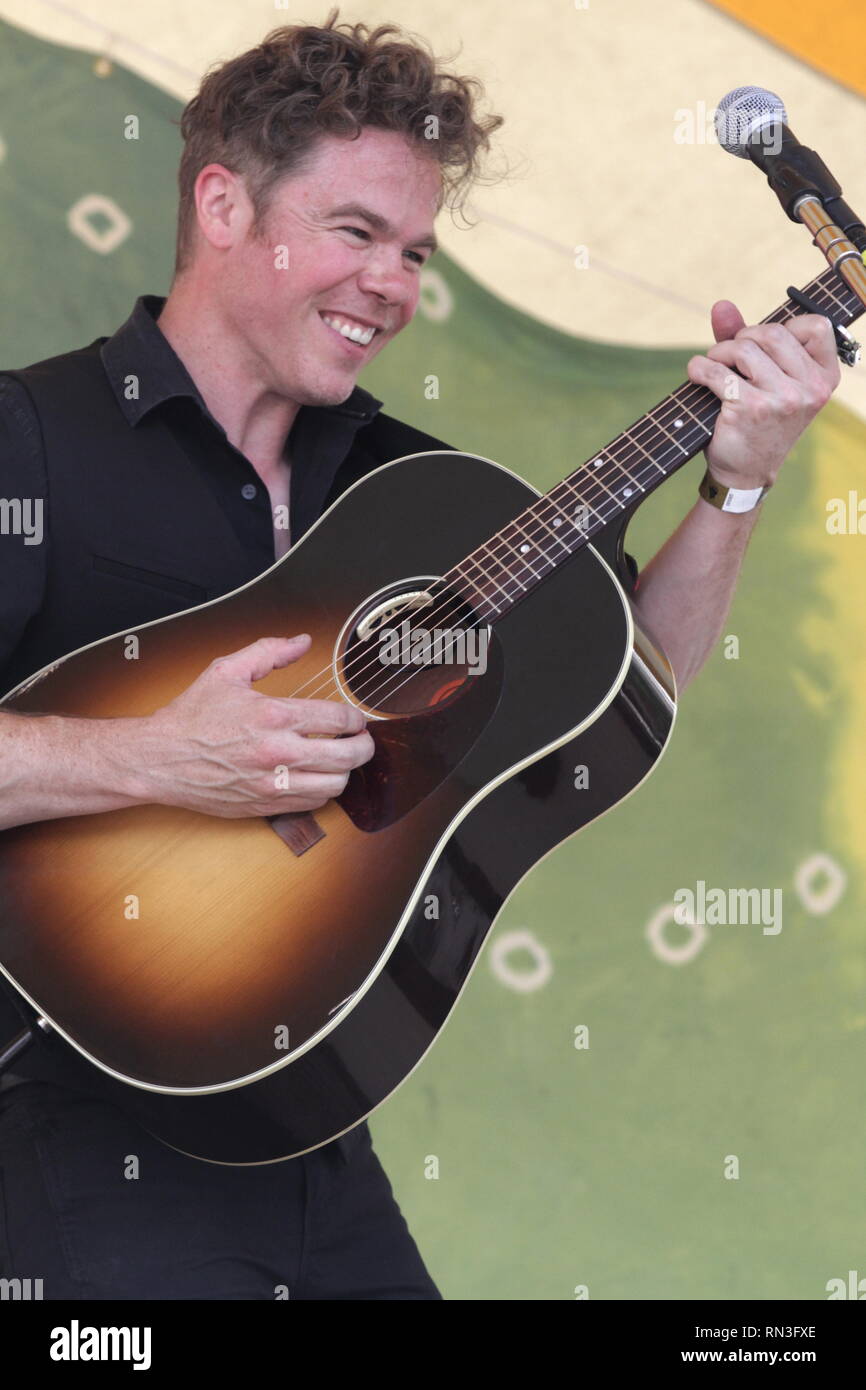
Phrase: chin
(325, 393)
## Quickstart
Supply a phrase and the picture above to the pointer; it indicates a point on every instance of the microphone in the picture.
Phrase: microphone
(752, 123)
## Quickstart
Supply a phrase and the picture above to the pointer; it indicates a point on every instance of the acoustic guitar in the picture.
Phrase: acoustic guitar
(250, 989)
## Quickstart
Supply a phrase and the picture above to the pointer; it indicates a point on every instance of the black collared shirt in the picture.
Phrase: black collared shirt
(319, 441)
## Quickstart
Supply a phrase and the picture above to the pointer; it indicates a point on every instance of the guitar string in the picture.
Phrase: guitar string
(499, 540)
(588, 497)
(452, 601)
(650, 424)
(693, 433)
(381, 691)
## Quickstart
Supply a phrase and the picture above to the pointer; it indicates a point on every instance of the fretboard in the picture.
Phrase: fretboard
(498, 574)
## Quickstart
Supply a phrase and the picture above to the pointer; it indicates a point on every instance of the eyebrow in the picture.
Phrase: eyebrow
(380, 223)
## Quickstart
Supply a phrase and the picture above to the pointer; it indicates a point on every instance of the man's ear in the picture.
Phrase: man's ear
(223, 207)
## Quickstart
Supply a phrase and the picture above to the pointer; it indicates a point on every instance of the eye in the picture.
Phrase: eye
(359, 231)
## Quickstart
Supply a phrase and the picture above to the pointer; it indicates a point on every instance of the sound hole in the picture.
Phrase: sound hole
(412, 648)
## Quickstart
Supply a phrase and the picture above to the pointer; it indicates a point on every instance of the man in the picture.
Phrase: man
(168, 457)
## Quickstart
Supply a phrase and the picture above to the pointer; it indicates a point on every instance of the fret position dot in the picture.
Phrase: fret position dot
(524, 550)
(678, 424)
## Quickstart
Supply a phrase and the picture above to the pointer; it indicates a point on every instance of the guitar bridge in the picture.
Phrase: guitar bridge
(298, 829)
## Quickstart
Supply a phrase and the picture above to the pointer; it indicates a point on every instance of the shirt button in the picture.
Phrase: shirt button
(248, 491)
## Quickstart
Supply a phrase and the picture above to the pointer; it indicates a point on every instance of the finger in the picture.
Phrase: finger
(757, 370)
(726, 320)
(335, 754)
(780, 347)
(815, 332)
(312, 786)
(322, 716)
(260, 658)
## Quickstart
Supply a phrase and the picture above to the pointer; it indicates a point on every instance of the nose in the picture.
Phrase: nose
(385, 274)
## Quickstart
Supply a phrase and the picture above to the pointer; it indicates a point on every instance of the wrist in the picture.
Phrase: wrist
(123, 762)
(735, 480)
(734, 496)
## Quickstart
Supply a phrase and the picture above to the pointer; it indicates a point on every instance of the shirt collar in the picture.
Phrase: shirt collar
(140, 355)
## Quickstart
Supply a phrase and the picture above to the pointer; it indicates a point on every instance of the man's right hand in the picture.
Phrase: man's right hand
(217, 746)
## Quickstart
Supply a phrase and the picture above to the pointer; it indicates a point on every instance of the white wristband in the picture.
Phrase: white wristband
(731, 499)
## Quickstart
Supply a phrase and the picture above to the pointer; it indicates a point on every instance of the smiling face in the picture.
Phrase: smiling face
(357, 227)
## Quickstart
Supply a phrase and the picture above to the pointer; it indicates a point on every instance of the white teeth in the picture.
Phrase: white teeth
(355, 332)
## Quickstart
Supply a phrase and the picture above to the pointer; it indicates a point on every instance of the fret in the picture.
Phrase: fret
(627, 491)
(686, 435)
(660, 429)
(525, 551)
(679, 423)
(582, 504)
(596, 476)
(553, 524)
(564, 518)
(629, 434)
(696, 418)
(512, 556)
(483, 607)
(499, 573)
(489, 573)
(833, 297)
(534, 544)
(601, 516)
(476, 594)
(531, 555)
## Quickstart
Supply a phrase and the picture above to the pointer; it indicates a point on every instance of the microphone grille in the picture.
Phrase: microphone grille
(744, 111)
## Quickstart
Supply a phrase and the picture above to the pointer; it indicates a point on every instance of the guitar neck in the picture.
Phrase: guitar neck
(497, 575)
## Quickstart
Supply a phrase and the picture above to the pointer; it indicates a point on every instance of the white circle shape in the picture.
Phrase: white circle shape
(436, 301)
(661, 947)
(821, 901)
(522, 981)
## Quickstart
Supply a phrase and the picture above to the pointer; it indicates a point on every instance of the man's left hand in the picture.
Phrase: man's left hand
(790, 370)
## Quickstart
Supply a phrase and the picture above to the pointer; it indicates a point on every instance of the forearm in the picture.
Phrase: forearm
(685, 591)
(52, 766)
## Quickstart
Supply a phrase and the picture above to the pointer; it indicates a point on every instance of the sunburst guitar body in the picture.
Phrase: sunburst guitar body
(250, 988)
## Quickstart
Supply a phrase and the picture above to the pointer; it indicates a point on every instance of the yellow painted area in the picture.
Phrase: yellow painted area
(831, 40)
(835, 631)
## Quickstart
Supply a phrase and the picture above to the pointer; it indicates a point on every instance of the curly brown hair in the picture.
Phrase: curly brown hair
(261, 114)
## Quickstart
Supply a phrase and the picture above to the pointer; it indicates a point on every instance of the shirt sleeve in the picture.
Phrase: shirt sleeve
(23, 519)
